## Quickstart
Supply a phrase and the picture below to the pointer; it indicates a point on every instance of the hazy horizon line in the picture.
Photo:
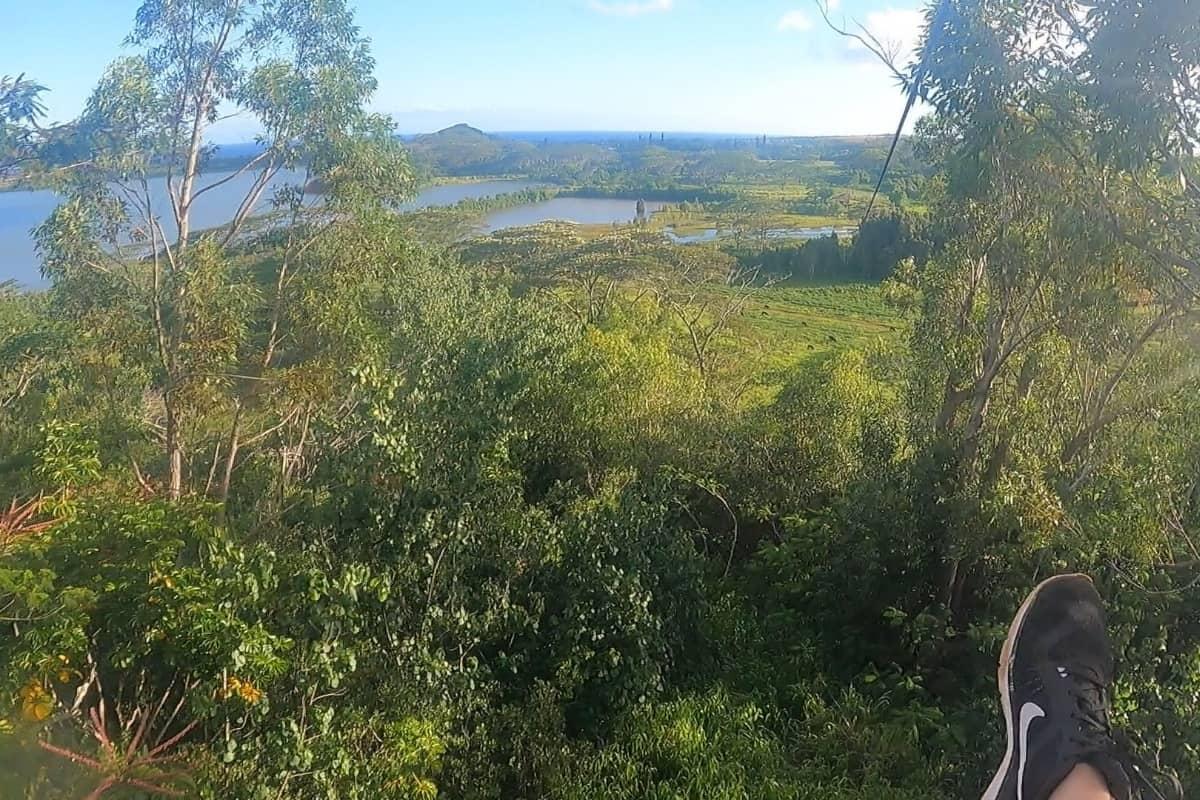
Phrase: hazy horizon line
(616, 132)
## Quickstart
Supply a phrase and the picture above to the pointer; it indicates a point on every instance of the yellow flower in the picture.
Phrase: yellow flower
(243, 689)
(165, 580)
(36, 702)
(250, 693)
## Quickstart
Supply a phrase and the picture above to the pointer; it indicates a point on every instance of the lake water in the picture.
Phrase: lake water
(21, 212)
(580, 210)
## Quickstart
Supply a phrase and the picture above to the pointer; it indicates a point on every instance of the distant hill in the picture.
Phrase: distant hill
(463, 150)
(460, 135)
(460, 131)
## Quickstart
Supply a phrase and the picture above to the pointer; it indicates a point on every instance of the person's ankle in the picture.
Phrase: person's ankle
(1084, 782)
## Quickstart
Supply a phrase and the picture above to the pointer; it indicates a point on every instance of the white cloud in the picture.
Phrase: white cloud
(634, 8)
(897, 28)
(833, 5)
(794, 21)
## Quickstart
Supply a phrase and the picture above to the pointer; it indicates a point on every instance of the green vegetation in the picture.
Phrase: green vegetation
(449, 224)
(19, 110)
(790, 323)
(349, 508)
(782, 183)
(465, 151)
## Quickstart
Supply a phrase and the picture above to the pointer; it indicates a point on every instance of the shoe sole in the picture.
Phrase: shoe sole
(1003, 678)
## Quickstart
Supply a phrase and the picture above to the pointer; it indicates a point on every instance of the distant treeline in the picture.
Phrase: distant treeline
(871, 255)
(499, 202)
(447, 224)
(668, 193)
(664, 164)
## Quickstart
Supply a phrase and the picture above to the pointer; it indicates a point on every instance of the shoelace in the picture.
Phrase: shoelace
(1090, 693)
(1096, 735)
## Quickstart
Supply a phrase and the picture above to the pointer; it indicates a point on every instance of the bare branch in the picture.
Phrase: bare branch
(887, 54)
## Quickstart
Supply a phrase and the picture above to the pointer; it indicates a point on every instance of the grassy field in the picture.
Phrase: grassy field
(763, 205)
(689, 222)
(769, 192)
(789, 323)
(783, 325)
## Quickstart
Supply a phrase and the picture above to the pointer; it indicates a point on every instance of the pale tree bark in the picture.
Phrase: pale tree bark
(1099, 409)
(232, 454)
(292, 252)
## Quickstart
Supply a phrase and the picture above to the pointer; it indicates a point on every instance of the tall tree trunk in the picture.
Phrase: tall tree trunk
(174, 453)
(231, 456)
(191, 169)
(265, 364)
(969, 450)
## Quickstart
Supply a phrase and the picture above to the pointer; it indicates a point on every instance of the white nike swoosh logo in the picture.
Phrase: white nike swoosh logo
(1029, 712)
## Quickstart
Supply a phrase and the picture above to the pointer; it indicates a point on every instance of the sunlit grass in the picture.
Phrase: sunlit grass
(788, 323)
(691, 222)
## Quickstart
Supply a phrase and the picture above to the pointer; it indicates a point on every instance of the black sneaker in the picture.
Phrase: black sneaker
(1056, 669)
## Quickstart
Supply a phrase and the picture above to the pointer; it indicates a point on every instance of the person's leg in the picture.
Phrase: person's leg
(1054, 672)
(1084, 783)
(1055, 678)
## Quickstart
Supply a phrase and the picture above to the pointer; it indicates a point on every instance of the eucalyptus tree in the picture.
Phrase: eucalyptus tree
(123, 250)
(20, 108)
(1057, 324)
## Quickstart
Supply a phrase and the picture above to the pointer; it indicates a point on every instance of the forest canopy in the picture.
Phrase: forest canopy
(329, 501)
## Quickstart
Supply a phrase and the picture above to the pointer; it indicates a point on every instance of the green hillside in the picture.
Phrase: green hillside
(307, 495)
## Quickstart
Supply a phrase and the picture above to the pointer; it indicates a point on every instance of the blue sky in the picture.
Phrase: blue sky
(748, 66)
